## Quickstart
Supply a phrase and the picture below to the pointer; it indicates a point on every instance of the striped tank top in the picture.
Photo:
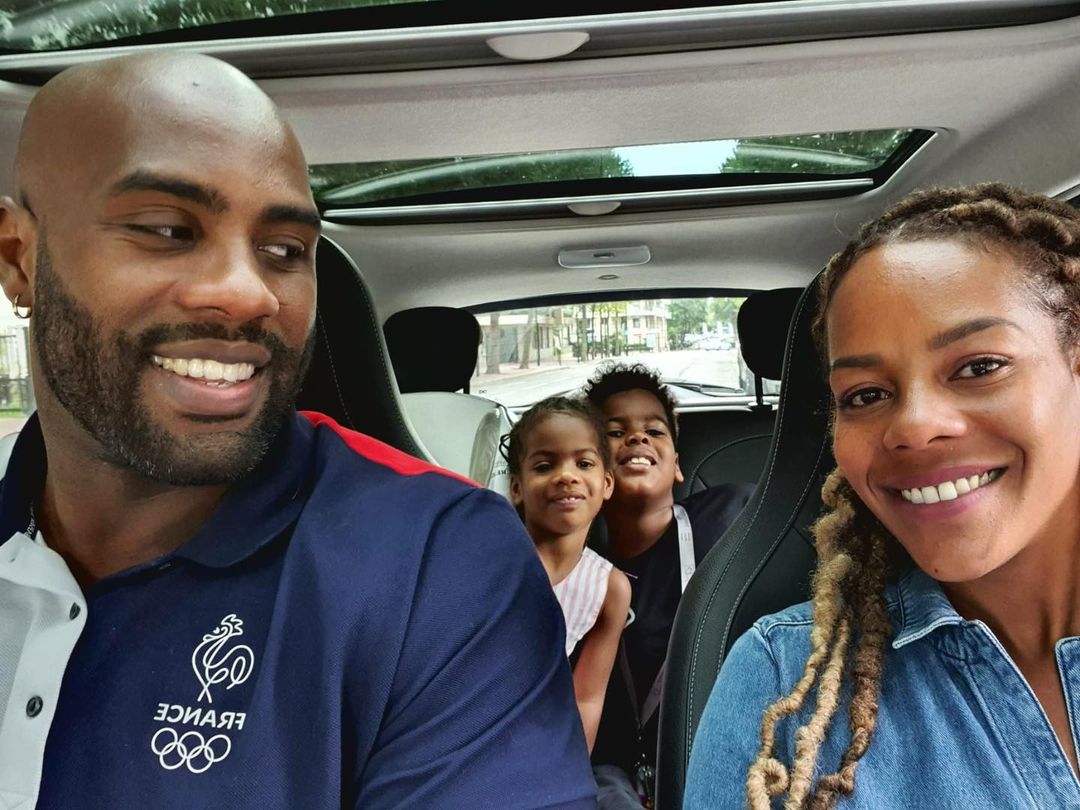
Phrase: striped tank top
(581, 595)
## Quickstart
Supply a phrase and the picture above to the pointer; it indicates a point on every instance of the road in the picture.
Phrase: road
(518, 387)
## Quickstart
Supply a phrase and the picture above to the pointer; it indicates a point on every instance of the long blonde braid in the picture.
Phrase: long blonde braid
(841, 607)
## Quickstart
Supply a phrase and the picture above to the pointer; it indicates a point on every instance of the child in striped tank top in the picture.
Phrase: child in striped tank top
(560, 475)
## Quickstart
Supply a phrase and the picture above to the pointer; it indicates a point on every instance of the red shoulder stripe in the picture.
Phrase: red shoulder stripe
(380, 452)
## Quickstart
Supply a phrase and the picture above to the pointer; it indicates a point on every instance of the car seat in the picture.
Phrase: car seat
(763, 322)
(350, 379)
(433, 351)
(761, 564)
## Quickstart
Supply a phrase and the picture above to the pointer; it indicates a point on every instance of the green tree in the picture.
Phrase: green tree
(492, 345)
(612, 320)
(384, 180)
(724, 310)
(527, 338)
(687, 317)
(822, 153)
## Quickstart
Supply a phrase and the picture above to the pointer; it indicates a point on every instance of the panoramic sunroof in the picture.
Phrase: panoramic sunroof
(47, 25)
(30, 26)
(816, 165)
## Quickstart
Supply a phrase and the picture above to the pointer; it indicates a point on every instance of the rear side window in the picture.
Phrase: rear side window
(16, 392)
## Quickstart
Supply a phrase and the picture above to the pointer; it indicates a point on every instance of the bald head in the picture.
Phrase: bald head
(94, 117)
(166, 214)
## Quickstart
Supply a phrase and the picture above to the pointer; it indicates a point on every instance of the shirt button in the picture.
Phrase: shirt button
(75, 611)
(33, 706)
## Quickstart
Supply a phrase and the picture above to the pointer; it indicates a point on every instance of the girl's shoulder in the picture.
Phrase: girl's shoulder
(618, 589)
(591, 560)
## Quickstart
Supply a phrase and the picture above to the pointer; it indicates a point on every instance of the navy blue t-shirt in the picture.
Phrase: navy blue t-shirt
(656, 591)
(351, 628)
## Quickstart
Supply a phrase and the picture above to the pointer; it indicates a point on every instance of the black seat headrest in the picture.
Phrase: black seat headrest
(432, 348)
(763, 327)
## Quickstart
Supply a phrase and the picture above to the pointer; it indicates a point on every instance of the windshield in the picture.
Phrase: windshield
(531, 353)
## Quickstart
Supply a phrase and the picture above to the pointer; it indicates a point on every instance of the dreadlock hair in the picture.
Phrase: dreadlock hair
(615, 378)
(517, 441)
(854, 550)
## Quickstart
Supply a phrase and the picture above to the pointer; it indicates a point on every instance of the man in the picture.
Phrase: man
(657, 543)
(207, 600)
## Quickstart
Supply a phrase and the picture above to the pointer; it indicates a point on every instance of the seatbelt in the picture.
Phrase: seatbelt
(645, 775)
(687, 564)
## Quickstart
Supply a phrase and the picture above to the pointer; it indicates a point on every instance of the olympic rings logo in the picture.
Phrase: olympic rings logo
(177, 750)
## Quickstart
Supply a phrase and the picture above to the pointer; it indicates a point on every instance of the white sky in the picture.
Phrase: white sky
(701, 157)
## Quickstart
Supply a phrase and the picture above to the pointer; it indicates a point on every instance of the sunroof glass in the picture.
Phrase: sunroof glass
(52, 25)
(44, 25)
(674, 165)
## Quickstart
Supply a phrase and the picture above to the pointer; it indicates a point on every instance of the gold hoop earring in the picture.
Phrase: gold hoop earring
(22, 313)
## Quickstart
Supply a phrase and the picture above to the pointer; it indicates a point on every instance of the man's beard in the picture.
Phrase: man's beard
(98, 380)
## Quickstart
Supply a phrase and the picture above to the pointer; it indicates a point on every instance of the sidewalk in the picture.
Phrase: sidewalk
(511, 370)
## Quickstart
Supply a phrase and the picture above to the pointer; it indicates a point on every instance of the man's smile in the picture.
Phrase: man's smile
(212, 371)
(200, 386)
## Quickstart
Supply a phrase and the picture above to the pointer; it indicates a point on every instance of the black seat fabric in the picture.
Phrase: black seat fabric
(762, 319)
(733, 446)
(761, 564)
(350, 378)
(432, 348)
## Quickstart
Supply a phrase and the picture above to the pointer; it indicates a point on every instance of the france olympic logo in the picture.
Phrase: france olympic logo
(189, 749)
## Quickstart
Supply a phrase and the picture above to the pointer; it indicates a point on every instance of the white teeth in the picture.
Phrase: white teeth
(640, 461)
(949, 490)
(213, 371)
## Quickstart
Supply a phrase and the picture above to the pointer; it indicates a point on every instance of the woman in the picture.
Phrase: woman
(946, 603)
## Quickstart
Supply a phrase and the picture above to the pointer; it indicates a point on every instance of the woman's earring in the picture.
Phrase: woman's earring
(22, 313)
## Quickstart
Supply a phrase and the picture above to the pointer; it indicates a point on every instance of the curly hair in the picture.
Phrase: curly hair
(851, 626)
(616, 378)
(517, 441)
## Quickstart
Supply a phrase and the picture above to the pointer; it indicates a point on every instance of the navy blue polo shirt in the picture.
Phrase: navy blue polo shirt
(350, 628)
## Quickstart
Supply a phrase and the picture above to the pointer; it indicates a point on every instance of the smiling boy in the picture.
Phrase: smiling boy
(657, 543)
(206, 598)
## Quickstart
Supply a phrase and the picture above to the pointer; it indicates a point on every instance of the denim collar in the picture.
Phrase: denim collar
(253, 512)
(919, 607)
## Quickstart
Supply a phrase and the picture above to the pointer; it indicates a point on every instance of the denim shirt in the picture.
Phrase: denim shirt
(958, 725)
